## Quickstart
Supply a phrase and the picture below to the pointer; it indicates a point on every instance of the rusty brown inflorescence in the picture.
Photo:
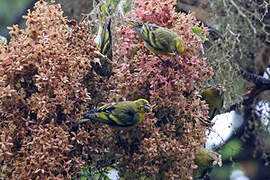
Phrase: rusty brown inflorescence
(162, 146)
(47, 82)
(45, 73)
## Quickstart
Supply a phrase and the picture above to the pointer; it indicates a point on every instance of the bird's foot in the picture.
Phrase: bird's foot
(166, 61)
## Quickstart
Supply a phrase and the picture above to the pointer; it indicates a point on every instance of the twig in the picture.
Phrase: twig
(242, 14)
(120, 8)
(266, 10)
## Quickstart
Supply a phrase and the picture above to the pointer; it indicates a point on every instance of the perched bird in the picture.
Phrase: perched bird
(120, 114)
(159, 40)
(104, 42)
(205, 160)
(214, 98)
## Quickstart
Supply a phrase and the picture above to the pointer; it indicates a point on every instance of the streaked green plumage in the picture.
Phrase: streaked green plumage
(104, 41)
(120, 114)
(159, 40)
(105, 44)
(205, 160)
(214, 98)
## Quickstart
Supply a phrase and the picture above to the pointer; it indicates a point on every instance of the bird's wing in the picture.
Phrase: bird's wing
(216, 108)
(122, 114)
(107, 108)
(125, 114)
(164, 38)
(106, 40)
(157, 38)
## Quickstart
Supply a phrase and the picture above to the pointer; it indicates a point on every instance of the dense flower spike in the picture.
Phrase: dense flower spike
(44, 71)
(165, 144)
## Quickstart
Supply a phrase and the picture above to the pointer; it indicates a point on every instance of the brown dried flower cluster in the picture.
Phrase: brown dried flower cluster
(46, 83)
(163, 145)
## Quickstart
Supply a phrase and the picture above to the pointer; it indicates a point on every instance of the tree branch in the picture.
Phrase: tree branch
(256, 79)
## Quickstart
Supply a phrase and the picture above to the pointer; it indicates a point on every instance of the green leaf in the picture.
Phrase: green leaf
(231, 149)
(199, 32)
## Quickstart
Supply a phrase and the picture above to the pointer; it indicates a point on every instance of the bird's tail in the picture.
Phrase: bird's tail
(134, 23)
(106, 40)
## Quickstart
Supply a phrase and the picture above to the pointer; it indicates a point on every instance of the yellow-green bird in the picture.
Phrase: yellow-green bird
(104, 42)
(119, 114)
(214, 98)
(205, 160)
(159, 40)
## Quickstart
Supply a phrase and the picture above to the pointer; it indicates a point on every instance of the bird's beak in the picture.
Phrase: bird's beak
(147, 106)
(221, 89)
